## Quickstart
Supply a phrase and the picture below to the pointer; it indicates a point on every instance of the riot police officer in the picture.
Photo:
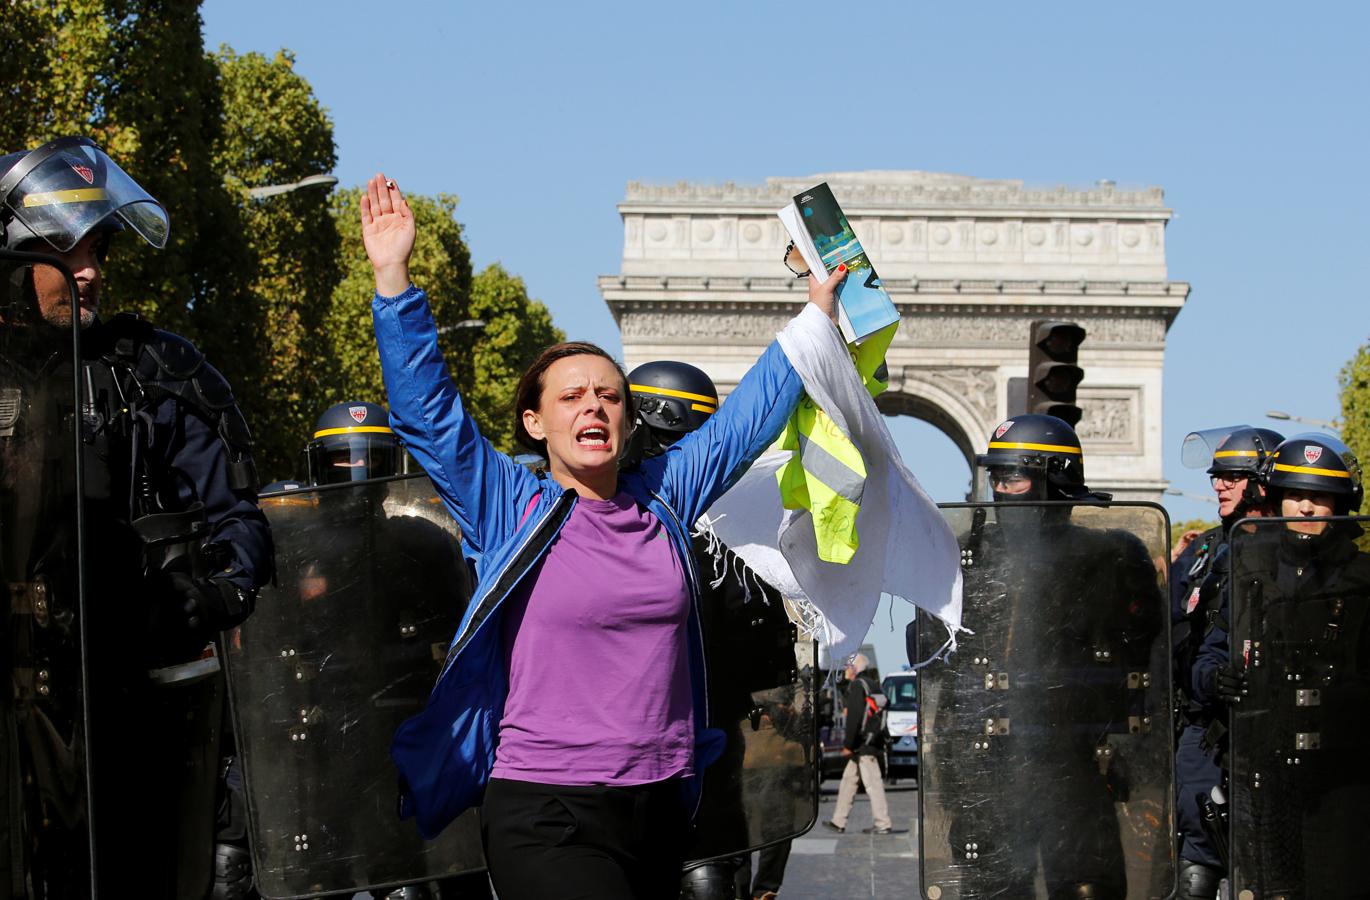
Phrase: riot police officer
(174, 548)
(353, 441)
(670, 400)
(749, 646)
(1300, 685)
(1039, 728)
(368, 576)
(1198, 592)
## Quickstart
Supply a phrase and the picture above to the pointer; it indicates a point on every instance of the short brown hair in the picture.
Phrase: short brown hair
(528, 394)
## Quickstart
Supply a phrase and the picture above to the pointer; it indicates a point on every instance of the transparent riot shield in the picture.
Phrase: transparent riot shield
(46, 818)
(1299, 791)
(762, 685)
(371, 585)
(1045, 736)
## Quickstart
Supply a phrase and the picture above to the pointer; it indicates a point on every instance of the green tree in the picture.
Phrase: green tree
(275, 131)
(164, 113)
(1355, 416)
(57, 65)
(486, 361)
(1355, 403)
(441, 263)
(516, 329)
(1179, 528)
(133, 75)
(27, 31)
(274, 291)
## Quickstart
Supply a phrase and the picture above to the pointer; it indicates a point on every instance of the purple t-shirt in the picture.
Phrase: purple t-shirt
(595, 646)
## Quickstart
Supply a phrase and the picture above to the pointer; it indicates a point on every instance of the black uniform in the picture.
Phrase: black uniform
(165, 451)
(1303, 603)
(1198, 584)
(1063, 612)
(749, 643)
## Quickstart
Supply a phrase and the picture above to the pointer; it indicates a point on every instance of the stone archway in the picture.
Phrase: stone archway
(969, 262)
(955, 415)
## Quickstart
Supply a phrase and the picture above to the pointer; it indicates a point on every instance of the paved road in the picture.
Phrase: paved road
(824, 865)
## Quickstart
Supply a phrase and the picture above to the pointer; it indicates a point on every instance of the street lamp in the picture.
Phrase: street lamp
(1316, 423)
(1190, 495)
(463, 324)
(271, 190)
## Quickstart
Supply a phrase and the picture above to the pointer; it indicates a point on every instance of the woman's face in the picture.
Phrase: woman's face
(582, 414)
(1298, 503)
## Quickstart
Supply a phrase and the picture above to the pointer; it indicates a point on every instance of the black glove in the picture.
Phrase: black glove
(186, 612)
(1228, 684)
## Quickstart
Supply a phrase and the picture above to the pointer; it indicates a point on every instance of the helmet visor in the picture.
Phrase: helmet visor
(1199, 446)
(75, 188)
(339, 459)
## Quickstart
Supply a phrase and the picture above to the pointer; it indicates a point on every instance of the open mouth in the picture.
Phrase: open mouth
(595, 437)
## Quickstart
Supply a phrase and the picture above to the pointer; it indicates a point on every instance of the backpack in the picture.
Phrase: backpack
(874, 715)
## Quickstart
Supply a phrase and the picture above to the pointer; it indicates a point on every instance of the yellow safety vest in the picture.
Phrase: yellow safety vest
(827, 476)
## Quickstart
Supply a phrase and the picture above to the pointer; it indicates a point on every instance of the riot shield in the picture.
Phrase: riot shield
(371, 585)
(46, 819)
(1299, 789)
(762, 684)
(1045, 735)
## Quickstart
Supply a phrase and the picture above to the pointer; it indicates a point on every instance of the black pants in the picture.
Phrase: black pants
(770, 868)
(546, 841)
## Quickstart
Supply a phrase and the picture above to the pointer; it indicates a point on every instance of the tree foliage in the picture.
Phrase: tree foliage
(516, 329)
(441, 263)
(1355, 403)
(275, 131)
(133, 75)
(1355, 417)
(275, 290)
(1179, 528)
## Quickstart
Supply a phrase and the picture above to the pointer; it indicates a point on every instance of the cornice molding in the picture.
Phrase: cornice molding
(727, 322)
(863, 193)
(614, 285)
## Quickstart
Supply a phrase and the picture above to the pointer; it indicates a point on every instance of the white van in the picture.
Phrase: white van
(901, 722)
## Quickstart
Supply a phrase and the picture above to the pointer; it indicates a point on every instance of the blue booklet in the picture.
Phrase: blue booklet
(822, 234)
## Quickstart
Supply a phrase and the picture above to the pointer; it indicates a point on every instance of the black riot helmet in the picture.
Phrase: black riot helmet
(353, 441)
(670, 399)
(1316, 462)
(67, 188)
(1238, 450)
(1044, 449)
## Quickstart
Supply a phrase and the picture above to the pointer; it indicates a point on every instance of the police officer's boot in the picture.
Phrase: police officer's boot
(1198, 881)
(232, 873)
(409, 892)
(711, 881)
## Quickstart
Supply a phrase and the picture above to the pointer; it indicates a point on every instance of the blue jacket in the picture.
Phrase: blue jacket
(445, 753)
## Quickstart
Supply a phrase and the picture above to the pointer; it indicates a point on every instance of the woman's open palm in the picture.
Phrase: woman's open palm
(387, 225)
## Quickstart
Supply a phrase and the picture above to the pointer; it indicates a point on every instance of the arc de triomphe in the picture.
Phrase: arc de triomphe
(969, 262)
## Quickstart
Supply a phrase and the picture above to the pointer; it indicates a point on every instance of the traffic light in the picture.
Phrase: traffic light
(1053, 375)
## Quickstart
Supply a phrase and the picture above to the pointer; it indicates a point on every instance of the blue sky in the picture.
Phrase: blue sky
(1252, 117)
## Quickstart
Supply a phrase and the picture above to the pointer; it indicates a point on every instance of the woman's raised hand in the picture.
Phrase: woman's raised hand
(388, 234)
(824, 296)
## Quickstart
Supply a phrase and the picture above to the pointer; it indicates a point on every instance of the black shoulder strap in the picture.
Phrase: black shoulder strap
(167, 364)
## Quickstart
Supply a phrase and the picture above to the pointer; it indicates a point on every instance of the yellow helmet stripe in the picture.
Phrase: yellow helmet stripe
(359, 429)
(667, 392)
(1048, 448)
(700, 407)
(78, 195)
(1236, 453)
(1309, 470)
